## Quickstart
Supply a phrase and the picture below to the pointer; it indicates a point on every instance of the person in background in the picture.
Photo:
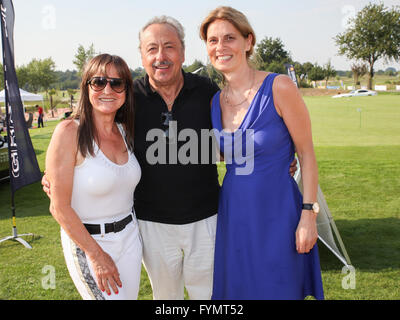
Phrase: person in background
(40, 115)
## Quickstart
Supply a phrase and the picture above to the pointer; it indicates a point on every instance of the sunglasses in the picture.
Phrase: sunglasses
(99, 83)
(166, 117)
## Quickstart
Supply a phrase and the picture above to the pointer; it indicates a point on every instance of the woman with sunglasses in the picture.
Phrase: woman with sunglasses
(93, 177)
(266, 231)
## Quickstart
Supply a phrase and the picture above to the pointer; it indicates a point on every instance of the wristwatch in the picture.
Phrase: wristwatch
(311, 206)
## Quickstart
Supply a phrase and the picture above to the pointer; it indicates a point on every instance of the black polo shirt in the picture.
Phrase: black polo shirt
(171, 191)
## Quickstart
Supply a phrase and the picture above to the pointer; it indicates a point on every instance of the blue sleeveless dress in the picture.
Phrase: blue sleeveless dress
(259, 210)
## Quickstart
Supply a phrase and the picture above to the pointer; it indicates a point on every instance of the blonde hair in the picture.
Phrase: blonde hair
(236, 18)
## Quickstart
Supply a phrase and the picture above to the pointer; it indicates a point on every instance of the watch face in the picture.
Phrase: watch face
(316, 207)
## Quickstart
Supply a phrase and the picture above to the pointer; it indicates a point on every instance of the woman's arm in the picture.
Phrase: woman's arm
(291, 107)
(60, 163)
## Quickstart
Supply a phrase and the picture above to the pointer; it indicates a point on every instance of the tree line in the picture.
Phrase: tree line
(40, 75)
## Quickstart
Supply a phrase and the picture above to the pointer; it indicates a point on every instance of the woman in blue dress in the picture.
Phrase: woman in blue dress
(266, 231)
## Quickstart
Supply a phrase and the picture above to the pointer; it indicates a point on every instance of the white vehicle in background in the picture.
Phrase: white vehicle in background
(356, 93)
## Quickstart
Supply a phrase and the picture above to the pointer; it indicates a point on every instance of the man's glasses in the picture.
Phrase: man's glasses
(166, 118)
(99, 83)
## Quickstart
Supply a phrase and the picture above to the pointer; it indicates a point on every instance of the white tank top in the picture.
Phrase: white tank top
(102, 190)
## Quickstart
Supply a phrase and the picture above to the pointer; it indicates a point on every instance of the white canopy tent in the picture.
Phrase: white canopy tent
(25, 96)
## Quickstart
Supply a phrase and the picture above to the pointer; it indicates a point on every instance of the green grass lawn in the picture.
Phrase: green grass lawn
(355, 121)
(359, 175)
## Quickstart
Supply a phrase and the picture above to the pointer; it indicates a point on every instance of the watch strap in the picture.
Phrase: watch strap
(307, 206)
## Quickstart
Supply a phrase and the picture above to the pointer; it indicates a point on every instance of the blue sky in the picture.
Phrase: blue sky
(55, 28)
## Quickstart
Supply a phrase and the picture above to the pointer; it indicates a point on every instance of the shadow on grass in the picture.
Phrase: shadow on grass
(39, 151)
(372, 245)
(30, 201)
(11, 243)
(43, 136)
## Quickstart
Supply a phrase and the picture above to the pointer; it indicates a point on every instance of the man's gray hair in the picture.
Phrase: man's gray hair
(165, 20)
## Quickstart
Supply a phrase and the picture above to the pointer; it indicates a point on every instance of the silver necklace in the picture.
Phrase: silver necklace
(247, 95)
(171, 102)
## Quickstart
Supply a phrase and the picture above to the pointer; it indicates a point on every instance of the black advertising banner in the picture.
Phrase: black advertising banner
(291, 73)
(24, 168)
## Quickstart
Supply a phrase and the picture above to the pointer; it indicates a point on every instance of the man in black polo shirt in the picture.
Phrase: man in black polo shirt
(175, 193)
(175, 203)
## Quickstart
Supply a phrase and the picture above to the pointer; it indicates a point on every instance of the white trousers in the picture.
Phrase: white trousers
(178, 256)
(124, 247)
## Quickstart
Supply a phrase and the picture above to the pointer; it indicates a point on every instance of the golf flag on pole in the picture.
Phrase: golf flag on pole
(24, 168)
